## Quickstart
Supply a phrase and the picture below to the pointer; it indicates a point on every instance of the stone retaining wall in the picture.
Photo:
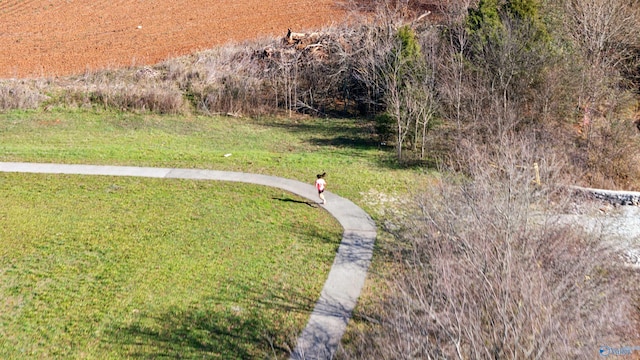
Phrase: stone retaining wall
(613, 196)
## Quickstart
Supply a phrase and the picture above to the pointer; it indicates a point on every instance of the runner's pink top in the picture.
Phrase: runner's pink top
(320, 184)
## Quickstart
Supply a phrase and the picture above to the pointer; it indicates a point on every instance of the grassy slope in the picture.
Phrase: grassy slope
(95, 267)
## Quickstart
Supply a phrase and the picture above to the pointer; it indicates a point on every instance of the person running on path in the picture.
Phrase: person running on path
(320, 185)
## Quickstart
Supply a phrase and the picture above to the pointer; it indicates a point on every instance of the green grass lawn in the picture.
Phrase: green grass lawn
(103, 267)
(296, 149)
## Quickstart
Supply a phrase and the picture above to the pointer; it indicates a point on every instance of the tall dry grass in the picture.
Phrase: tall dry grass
(18, 94)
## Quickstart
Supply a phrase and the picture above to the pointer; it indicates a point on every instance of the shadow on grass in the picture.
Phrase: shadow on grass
(355, 138)
(197, 334)
(219, 327)
(283, 199)
(336, 132)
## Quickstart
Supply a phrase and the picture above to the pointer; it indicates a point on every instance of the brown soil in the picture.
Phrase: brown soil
(62, 37)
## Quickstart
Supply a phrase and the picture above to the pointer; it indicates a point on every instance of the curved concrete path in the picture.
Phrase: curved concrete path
(328, 321)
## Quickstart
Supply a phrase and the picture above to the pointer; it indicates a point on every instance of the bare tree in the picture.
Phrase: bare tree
(607, 37)
(452, 70)
(607, 30)
(398, 90)
(607, 33)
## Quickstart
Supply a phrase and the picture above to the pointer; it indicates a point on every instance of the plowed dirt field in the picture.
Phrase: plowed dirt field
(62, 37)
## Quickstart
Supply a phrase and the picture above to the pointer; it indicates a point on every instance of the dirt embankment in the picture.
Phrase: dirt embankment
(62, 37)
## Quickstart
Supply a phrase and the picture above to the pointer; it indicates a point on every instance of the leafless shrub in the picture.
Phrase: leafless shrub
(607, 32)
(232, 94)
(606, 36)
(610, 150)
(20, 95)
(229, 79)
(160, 99)
(486, 272)
(136, 90)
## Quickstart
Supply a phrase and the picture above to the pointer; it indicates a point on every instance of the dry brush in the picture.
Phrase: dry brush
(485, 271)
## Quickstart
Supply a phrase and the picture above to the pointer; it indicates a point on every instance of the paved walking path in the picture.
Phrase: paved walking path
(328, 321)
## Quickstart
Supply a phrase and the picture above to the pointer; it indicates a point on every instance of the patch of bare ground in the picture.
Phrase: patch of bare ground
(59, 37)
